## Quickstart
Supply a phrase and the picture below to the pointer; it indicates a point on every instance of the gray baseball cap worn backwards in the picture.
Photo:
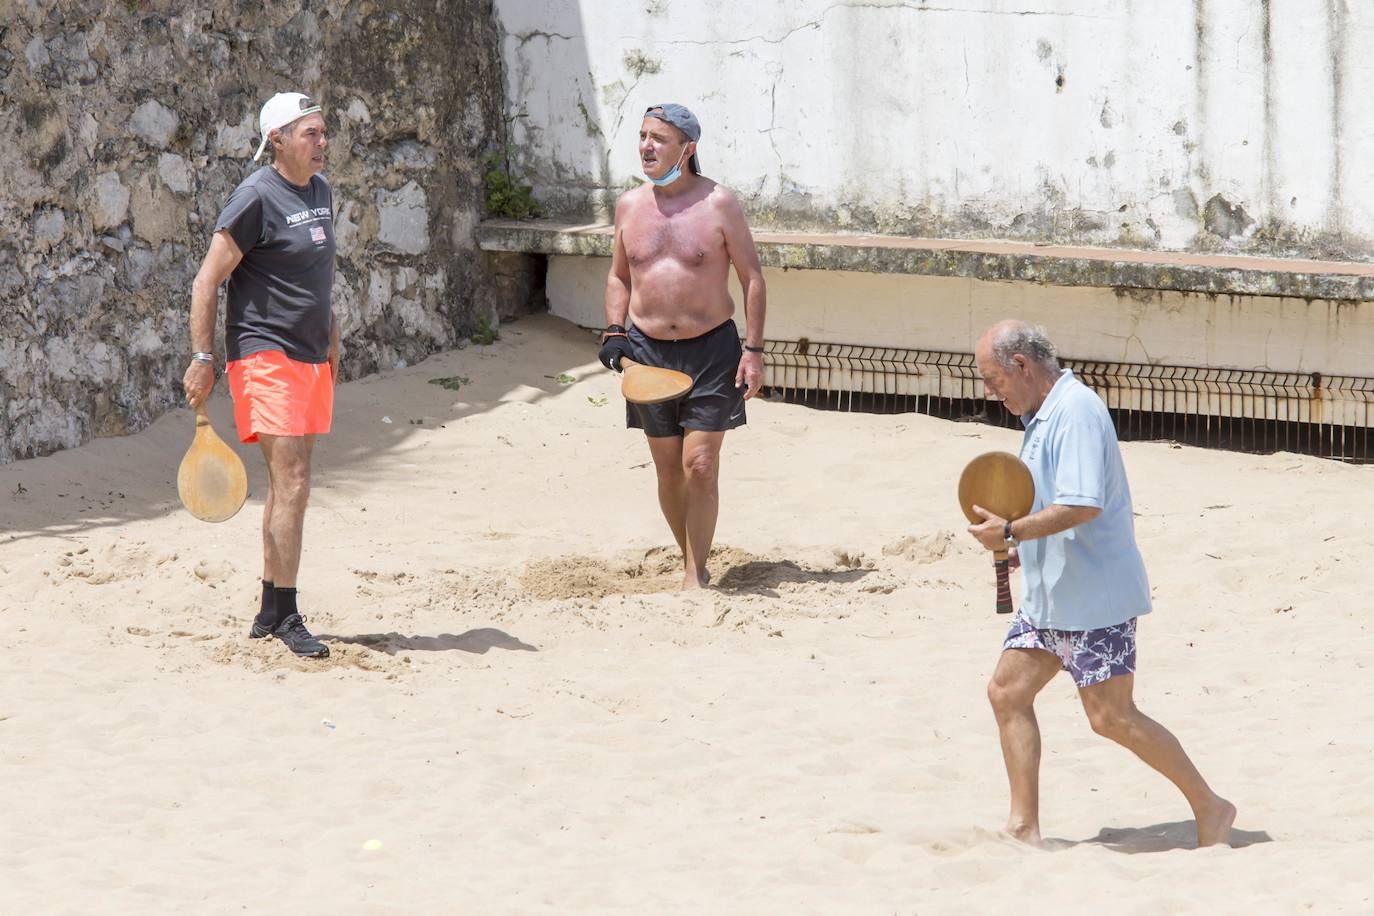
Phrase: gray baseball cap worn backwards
(683, 120)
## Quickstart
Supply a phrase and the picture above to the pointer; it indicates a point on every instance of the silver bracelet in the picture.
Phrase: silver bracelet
(204, 358)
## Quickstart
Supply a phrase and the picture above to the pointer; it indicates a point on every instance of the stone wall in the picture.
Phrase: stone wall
(123, 128)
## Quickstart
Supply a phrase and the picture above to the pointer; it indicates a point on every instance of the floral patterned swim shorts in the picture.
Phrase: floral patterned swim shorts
(1090, 656)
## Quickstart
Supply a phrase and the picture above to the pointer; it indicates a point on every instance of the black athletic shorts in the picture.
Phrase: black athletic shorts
(714, 404)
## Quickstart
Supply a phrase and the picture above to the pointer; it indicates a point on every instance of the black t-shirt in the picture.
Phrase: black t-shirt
(279, 292)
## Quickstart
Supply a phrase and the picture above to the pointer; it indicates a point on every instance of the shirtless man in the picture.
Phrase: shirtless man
(676, 239)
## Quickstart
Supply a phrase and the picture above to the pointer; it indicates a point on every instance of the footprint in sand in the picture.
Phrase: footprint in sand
(213, 572)
(921, 549)
(119, 562)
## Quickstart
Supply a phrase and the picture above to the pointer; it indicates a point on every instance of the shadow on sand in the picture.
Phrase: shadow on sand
(478, 641)
(762, 577)
(1164, 837)
(106, 483)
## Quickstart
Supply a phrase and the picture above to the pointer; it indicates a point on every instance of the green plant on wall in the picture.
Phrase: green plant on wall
(505, 196)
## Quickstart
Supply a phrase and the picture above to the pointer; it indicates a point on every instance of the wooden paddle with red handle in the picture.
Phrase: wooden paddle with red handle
(1002, 484)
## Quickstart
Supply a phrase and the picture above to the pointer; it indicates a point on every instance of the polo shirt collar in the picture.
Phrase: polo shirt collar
(1052, 400)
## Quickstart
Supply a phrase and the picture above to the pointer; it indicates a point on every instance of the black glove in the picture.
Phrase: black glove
(615, 346)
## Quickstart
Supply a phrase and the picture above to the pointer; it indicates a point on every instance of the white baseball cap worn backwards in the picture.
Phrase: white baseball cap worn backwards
(279, 111)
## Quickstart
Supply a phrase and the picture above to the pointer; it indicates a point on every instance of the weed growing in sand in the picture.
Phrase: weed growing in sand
(486, 334)
(451, 382)
(596, 402)
(562, 378)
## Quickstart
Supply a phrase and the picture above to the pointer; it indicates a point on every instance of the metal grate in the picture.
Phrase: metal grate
(1251, 411)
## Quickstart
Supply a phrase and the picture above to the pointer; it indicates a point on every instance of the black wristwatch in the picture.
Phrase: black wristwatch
(753, 349)
(1008, 536)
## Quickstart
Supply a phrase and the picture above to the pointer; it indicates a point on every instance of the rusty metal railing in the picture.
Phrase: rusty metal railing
(1240, 410)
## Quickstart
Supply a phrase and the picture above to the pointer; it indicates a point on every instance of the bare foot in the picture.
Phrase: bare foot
(696, 580)
(1026, 833)
(1214, 827)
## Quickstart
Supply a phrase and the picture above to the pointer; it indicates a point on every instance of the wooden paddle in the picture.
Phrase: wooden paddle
(1001, 484)
(211, 480)
(651, 385)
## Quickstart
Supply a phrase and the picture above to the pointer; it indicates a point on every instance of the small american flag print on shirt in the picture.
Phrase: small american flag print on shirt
(317, 234)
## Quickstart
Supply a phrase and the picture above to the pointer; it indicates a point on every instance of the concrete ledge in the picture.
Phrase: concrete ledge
(1183, 272)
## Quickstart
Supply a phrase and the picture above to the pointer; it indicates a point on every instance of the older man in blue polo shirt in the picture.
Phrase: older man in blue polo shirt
(1083, 581)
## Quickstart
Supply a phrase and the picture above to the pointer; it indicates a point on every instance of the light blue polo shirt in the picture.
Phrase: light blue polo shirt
(1091, 575)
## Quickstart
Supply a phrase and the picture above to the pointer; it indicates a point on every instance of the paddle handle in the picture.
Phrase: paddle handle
(202, 416)
(1001, 565)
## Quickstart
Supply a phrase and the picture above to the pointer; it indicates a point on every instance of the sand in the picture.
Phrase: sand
(520, 715)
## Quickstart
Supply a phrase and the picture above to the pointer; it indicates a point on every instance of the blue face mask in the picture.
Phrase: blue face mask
(673, 174)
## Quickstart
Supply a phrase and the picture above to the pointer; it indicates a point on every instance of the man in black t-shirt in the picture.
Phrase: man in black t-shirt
(274, 244)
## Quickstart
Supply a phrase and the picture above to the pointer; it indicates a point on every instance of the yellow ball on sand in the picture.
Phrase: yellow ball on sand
(373, 844)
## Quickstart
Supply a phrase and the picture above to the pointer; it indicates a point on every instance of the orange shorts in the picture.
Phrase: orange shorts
(277, 396)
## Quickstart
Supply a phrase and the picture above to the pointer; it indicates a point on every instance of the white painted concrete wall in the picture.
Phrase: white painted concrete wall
(949, 314)
(944, 117)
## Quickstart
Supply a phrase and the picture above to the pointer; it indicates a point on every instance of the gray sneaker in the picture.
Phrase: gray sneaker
(292, 631)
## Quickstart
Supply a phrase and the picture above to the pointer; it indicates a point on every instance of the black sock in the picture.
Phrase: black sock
(267, 613)
(286, 603)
